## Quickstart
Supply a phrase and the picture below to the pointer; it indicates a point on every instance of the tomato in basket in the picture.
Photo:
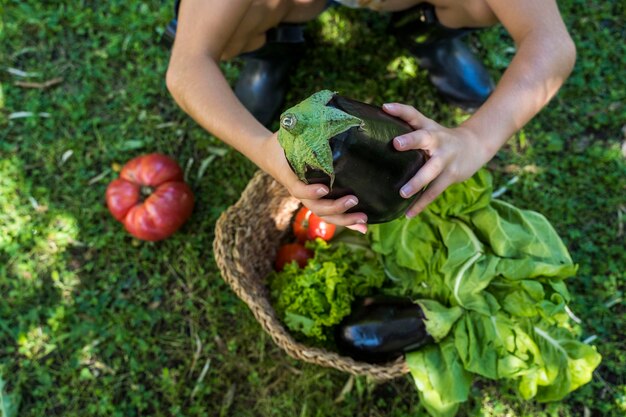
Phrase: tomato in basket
(308, 226)
(292, 252)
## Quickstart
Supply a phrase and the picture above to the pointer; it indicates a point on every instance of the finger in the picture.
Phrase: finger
(409, 114)
(426, 174)
(434, 189)
(303, 191)
(361, 228)
(347, 220)
(418, 139)
(327, 207)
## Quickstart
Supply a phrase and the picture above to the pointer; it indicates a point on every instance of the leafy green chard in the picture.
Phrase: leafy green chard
(489, 278)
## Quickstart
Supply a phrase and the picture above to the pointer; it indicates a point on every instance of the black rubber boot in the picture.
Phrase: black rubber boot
(263, 81)
(170, 30)
(453, 69)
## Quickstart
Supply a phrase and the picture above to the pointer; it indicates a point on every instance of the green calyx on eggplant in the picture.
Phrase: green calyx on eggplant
(348, 146)
(382, 328)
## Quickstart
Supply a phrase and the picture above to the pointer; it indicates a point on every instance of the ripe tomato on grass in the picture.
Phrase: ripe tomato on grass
(292, 252)
(150, 198)
(308, 226)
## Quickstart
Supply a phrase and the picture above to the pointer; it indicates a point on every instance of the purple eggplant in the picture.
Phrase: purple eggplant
(347, 145)
(382, 328)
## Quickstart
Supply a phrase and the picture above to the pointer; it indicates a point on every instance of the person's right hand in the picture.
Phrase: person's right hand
(332, 211)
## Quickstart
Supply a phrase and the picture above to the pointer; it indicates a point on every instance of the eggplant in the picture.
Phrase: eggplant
(348, 146)
(382, 328)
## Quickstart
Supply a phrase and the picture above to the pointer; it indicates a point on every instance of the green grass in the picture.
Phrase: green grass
(95, 323)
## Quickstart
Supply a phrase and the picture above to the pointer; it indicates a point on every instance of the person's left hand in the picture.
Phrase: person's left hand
(453, 155)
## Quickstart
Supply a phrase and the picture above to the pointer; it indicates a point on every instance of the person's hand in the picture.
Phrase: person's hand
(332, 211)
(453, 155)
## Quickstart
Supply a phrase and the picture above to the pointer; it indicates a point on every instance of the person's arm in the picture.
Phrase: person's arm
(197, 84)
(544, 59)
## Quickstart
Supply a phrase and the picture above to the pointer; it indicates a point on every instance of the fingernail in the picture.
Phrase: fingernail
(322, 191)
(389, 106)
(360, 221)
(400, 141)
(406, 191)
(351, 202)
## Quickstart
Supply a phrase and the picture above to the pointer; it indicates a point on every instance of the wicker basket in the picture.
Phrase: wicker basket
(247, 237)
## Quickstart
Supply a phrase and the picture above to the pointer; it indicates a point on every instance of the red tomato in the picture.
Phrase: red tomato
(320, 228)
(292, 252)
(308, 226)
(301, 224)
(150, 198)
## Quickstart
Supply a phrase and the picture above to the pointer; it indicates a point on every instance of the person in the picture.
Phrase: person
(266, 34)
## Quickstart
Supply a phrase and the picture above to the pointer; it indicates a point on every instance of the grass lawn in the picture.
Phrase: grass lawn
(96, 323)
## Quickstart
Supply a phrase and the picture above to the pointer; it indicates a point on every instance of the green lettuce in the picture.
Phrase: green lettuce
(490, 280)
(313, 299)
(563, 365)
(442, 382)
